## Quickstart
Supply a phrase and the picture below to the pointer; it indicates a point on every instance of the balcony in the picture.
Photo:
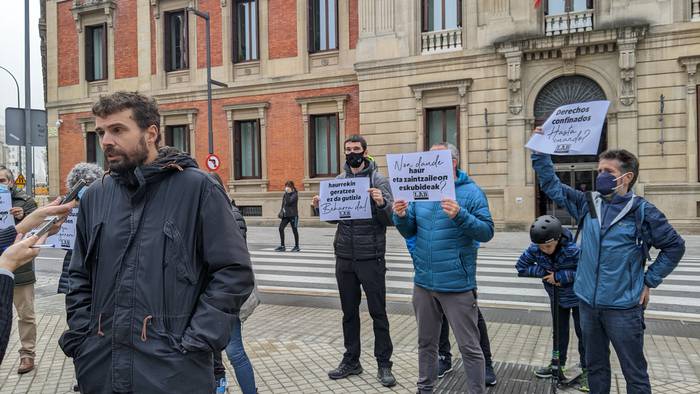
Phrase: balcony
(440, 41)
(571, 22)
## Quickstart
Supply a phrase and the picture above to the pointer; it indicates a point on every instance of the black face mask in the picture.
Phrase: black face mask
(355, 159)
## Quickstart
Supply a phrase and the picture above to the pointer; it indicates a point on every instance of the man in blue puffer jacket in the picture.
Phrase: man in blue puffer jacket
(447, 238)
(611, 281)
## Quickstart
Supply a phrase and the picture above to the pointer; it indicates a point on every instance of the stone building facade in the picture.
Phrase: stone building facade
(302, 74)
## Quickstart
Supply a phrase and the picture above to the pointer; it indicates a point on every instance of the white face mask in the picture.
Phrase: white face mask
(288, 189)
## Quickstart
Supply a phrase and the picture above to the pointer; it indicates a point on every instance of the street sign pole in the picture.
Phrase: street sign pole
(28, 103)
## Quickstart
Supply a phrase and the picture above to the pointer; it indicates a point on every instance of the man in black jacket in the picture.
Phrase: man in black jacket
(159, 266)
(359, 249)
(23, 205)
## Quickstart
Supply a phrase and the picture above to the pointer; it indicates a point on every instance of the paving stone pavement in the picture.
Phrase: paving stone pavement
(293, 347)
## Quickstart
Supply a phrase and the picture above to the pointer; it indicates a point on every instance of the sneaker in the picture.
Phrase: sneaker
(490, 376)
(583, 382)
(221, 386)
(280, 248)
(544, 372)
(385, 377)
(296, 249)
(444, 367)
(344, 370)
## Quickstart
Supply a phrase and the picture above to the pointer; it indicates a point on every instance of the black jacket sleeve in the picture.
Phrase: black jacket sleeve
(7, 237)
(7, 285)
(241, 221)
(230, 276)
(79, 297)
(384, 213)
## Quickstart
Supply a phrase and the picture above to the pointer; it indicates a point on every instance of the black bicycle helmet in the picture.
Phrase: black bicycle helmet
(545, 228)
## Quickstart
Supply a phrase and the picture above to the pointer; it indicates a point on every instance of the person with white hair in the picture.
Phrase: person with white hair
(88, 172)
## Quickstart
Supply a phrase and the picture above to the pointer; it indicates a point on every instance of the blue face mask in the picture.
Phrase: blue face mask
(4, 188)
(81, 192)
(606, 183)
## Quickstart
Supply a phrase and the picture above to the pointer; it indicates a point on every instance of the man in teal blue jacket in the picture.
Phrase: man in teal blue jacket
(447, 238)
(611, 282)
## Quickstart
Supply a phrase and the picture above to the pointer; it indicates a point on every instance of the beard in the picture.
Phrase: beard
(123, 162)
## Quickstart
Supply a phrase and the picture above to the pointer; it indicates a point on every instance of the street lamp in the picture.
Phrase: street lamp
(205, 16)
(19, 148)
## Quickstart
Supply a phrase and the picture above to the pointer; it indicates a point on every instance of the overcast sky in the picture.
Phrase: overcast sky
(12, 54)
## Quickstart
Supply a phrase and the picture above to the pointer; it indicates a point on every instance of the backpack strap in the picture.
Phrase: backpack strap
(640, 237)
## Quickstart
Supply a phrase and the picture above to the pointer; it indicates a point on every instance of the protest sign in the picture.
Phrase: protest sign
(345, 199)
(421, 176)
(6, 218)
(572, 129)
(65, 238)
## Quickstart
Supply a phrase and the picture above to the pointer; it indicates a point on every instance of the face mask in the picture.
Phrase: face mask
(4, 188)
(81, 192)
(288, 189)
(606, 183)
(355, 159)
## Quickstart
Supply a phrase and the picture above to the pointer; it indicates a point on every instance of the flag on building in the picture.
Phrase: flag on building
(538, 3)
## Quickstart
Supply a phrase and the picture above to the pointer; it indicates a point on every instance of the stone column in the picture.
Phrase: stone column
(695, 11)
(691, 66)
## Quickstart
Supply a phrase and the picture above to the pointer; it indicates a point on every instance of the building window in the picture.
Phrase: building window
(247, 145)
(557, 7)
(176, 43)
(178, 137)
(93, 149)
(96, 52)
(324, 145)
(442, 125)
(323, 25)
(442, 15)
(245, 43)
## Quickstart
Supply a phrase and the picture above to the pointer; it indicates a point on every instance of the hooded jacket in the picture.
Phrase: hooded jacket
(159, 271)
(535, 263)
(444, 256)
(365, 239)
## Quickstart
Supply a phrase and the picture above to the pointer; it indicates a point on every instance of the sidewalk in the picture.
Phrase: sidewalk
(293, 347)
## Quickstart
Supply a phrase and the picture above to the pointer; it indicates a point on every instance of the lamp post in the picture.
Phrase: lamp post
(19, 148)
(205, 16)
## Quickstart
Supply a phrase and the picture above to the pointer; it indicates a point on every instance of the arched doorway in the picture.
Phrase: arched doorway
(578, 172)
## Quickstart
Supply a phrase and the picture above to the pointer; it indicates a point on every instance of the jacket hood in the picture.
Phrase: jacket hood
(168, 161)
(462, 178)
(370, 166)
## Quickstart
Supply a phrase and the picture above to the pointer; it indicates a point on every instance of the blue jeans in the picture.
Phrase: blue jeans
(239, 360)
(625, 329)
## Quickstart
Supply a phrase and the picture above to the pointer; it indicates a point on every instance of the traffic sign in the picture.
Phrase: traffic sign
(14, 127)
(213, 162)
(20, 181)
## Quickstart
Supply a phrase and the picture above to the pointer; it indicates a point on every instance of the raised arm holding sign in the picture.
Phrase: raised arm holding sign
(572, 129)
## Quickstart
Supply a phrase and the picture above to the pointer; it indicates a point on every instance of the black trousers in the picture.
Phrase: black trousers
(294, 221)
(563, 332)
(353, 276)
(445, 347)
(219, 369)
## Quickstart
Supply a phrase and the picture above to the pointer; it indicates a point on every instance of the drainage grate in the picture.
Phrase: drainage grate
(250, 210)
(512, 378)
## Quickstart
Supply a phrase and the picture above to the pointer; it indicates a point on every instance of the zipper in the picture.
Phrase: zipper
(597, 272)
(430, 247)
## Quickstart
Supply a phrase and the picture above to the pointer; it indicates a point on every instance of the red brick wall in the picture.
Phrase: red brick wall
(68, 70)
(126, 62)
(285, 133)
(354, 23)
(282, 28)
(71, 144)
(213, 7)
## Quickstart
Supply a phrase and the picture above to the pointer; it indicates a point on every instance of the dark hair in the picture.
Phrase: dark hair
(628, 161)
(290, 184)
(357, 138)
(145, 109)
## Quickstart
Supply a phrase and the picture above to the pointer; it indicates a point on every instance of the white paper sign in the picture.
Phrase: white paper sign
(421, 176)
(345, 199)
(65, 238)
(6, 218)
(572, 129)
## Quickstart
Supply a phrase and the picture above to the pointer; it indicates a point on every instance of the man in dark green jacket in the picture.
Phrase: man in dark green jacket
(22, 205)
